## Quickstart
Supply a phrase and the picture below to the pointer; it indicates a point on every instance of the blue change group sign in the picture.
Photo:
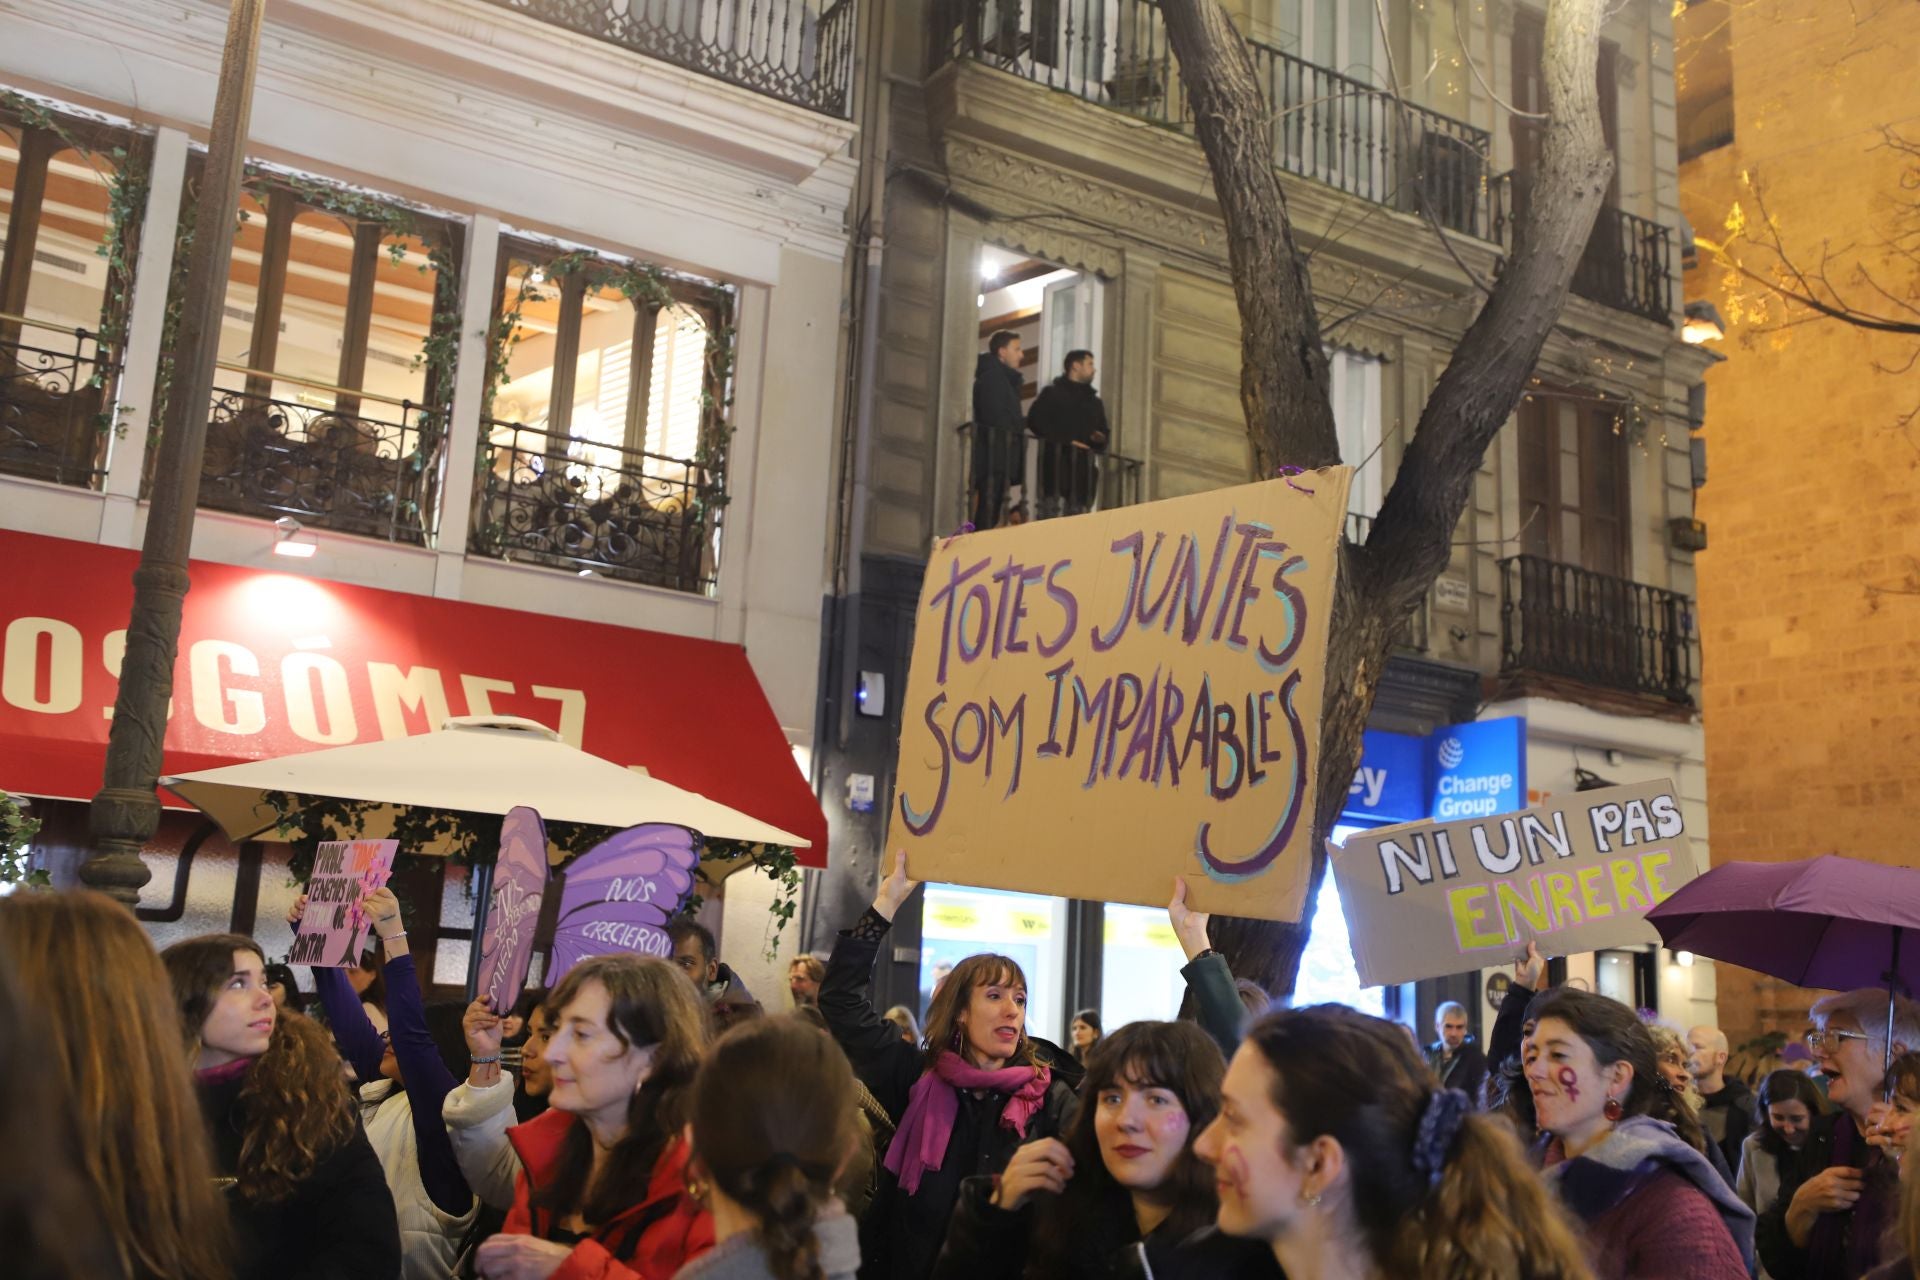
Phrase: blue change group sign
(1458, 771)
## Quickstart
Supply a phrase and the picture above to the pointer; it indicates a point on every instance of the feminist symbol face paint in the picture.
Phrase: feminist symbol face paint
(1569, 1082)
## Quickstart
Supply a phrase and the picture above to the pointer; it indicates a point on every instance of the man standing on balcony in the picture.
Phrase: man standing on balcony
(999, 430)
(1071, 422)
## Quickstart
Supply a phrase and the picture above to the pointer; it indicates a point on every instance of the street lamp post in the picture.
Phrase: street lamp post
(126, 812)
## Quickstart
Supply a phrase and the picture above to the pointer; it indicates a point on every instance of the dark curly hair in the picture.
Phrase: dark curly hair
(297, 1113)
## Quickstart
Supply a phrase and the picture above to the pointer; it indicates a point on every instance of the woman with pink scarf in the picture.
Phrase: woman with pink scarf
(978, 1089)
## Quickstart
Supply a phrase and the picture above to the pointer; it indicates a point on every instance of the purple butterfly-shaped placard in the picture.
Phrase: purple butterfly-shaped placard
(620, 894)
(513, 910)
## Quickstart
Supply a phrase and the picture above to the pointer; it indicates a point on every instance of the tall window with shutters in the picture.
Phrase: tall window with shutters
(596, 433)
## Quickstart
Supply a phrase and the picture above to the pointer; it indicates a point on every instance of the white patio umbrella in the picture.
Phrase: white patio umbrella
(476, 764)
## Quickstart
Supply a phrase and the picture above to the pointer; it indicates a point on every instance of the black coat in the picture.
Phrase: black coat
(901, 1234)
(339, 1224)
(996, 394)
(1728, 1118)
(1466, 1071)
(1830, 1255)
(985, 1243)
(1067, 413)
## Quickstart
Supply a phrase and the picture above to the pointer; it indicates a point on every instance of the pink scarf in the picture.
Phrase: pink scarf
(927, 1128)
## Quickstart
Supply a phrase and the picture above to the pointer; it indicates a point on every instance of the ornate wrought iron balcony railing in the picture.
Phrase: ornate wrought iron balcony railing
(574, 503)
(1326, 126)
(1628, 261)
(1564, 621)
(55, 389)
(365, 465)
(1009, 477)
(800, 51)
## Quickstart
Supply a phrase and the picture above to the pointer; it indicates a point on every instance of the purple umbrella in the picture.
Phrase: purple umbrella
(1828, 922)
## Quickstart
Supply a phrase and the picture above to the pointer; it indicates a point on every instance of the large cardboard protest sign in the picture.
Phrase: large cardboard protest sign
(333, 932)
(1100, 703)
(1577, 873)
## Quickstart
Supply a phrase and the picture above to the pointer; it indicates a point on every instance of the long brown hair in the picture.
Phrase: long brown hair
(113, 1036)
(773, 1122)
(42, 1198)
(297, 1112)
(651, 1004)
(1616, 1034)
(956, 994)
(1485, 1214)
(1177, 1057)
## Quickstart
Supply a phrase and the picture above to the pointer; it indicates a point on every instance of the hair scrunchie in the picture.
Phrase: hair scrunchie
(1440, 1124)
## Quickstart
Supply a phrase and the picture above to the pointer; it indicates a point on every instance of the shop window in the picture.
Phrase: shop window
(957, 922)
(1140, 967)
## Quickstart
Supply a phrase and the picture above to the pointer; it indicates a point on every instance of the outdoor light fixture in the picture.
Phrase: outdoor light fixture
(989, 270)
(539, 275)
(1703, 324)
(1684, 959)
(1588, 780)
(294, 541)
(870, 695)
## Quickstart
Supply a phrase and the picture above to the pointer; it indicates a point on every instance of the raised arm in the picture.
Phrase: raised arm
(422, 1070)
(1216, 1002)
(359, 1042)
(885, 1063)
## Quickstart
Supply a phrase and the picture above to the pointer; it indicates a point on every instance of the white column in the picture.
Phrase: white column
(464, 424)
(140, 362)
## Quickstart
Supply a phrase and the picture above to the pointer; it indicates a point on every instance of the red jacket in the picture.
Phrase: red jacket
(648, 1241)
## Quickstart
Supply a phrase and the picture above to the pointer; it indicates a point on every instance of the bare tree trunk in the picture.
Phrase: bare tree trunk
(1284, 386)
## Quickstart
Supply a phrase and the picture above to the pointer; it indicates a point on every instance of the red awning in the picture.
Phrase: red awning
(271, 664)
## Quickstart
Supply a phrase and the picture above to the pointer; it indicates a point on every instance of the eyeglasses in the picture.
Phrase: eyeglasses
(1832, 1041)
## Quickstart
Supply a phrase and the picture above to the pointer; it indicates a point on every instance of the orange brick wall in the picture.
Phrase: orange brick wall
(1811, 676)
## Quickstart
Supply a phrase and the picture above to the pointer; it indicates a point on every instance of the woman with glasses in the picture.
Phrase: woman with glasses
(405, 1083)
(1674, 1053)
(306, 1192)
(1838, 1193)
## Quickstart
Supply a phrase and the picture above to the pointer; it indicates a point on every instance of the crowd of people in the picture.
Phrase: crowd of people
(646, 1119)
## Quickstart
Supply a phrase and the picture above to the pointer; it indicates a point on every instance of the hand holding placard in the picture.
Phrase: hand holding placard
(895, 889)
(1189, 926)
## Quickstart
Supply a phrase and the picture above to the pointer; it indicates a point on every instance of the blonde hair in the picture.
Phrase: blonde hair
(114, 1036)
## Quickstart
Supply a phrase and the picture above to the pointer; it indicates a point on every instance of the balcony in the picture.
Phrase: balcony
(1326, 126)
(574, 503)
(799, 51)
(1627, 264)
(1011, 477)
(55, 386)
(330, 458)
(1566, 623)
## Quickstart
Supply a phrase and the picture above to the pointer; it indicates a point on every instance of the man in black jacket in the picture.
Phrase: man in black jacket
(1727, 1113)
(999, 430)
(1072, 426)
(1454, 1057)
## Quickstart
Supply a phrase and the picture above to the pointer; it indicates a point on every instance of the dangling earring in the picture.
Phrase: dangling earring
(956, 1040)
(1311, 1201)
(1613, 1110)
